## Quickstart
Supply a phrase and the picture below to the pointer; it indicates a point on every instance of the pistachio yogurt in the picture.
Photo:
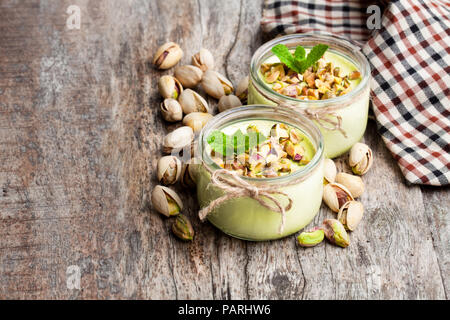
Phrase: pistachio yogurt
(343, 85)
(281, 149)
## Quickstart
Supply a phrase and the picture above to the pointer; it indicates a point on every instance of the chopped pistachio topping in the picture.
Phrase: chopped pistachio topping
(278, 154)
(319, 82)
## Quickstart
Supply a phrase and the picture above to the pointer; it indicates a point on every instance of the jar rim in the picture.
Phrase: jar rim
(246, 113)
(336, 42)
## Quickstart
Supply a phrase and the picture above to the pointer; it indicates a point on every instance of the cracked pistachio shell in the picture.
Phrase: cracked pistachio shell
(182, 228)
(335, 232)
(189, 76)
(360, 158)
(216, 85)
(242, 90)
(171, 110)
(187, 175)
(228, 102)
(336, 195)
(197, 120)
(191, 101)
(311, 238)
(178, 139)
(167, 55)
(169, 87)
(329, 170)
(353, 183)
(203, 59)
(351, 214)
(169, 170)
(166, 201)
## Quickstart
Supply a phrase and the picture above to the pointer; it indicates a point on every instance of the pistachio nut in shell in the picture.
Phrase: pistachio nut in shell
(228, 102)
(197, 120)
(191, 101)
(311, 238)
(182, 228)
(351, 214)
(215, 84)
(360, 158)
(187, 178)
(330, 170)
(203, 59)
(336, 195)
(167, 55)
(166, 201)
(171, 110)
(169, 87)
(242, 90)
(335, 232)
(189, 76)
(169, 170)
(353, 183)
(178, 139)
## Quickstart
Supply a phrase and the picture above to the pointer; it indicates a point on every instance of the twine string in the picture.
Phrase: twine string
(235, 187)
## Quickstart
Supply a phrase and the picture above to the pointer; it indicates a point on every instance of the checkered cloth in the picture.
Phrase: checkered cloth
(410, 63)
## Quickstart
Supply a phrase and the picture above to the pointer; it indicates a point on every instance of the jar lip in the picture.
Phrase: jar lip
(322, 37)
(221, 119)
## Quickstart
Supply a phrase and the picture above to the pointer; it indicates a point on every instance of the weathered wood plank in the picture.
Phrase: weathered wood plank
(80, 136)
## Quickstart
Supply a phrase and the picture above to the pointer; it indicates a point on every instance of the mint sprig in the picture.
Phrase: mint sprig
(237, 143)
(299, 62)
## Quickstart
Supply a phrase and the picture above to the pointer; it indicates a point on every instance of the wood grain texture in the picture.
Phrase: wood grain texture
(80, 135)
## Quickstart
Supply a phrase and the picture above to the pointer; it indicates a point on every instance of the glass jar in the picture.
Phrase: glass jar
(352, 107)
(244, 217)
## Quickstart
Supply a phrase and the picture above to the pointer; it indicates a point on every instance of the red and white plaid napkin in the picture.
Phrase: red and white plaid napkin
(410, 60)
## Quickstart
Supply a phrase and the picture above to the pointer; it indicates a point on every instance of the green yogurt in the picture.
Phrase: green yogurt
(355, 104)
(244, 217)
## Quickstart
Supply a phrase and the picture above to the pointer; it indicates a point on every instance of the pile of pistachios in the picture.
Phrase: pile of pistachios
(339, 194)
(320, 82)
(182, 103)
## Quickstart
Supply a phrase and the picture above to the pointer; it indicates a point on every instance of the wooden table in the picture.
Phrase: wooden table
(80, 134)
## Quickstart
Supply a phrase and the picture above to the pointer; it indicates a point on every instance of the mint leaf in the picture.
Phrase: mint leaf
(313, 56)
(285, 56)
(237, 143)
(298, 62)
(299, 53)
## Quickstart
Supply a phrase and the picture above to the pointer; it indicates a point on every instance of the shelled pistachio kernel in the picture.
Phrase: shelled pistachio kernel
(360, 158)
(182, 228)
(336, 195)
(353, 183)
(351, 214)
(169, 87)
(167, 55)
(166, 201)
(335, 232)
(169, 170)
(311, 238)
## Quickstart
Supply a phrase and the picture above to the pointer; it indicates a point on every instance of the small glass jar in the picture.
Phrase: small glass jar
(244, 217)
(352, 107)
